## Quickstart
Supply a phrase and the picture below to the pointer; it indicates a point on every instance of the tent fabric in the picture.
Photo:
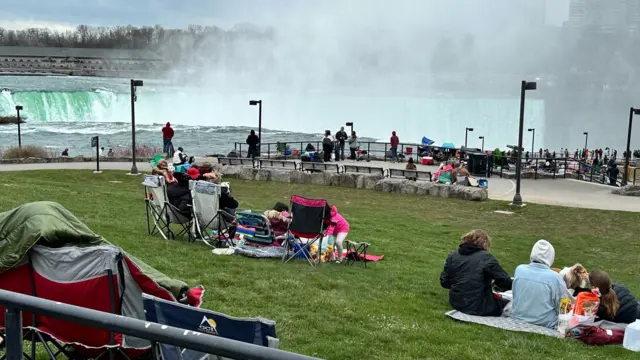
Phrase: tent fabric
(448, 145)
(50, 224)
(427, 141)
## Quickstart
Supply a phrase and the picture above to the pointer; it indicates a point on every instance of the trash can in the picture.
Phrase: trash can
(477, 164)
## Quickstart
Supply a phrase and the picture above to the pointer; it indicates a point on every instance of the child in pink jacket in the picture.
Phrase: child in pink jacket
(339, 229)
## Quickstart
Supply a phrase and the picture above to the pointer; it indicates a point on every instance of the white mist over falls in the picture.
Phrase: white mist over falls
(419, 67)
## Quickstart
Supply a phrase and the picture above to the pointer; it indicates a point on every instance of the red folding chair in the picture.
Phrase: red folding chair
(309, 220)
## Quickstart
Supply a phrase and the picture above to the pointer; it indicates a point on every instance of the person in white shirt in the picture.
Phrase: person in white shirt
(179, 157)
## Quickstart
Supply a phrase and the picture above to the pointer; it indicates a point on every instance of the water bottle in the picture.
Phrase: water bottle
(632, 337)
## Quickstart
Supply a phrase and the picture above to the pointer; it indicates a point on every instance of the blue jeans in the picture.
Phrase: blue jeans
(394, 153)
(166, 145)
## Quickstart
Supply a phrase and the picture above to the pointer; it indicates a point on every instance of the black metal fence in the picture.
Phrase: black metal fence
(375, 150)
(15, 304)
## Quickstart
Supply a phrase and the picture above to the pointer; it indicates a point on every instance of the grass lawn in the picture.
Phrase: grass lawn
(391, 310)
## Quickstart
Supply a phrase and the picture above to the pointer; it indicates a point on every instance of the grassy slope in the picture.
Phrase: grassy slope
(392, 310)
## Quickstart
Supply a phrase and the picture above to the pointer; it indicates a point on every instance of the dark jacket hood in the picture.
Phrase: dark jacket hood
(468, 249)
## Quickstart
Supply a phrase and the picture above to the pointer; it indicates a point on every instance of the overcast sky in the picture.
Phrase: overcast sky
(179, 13)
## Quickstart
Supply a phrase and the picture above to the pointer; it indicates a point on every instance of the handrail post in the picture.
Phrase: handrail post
(268, 151)
(14, 342)
(385, 151)
(565, 168)
(535, 175)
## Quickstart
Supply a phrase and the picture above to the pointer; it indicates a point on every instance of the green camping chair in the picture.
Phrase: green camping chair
(445, 177)
(154, 162)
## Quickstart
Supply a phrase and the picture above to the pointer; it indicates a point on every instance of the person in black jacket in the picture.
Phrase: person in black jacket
(179, 195)
(469, 274)
(253, 140)
(617, 304)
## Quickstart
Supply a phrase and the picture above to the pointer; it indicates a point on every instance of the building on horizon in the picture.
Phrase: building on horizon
(79, 61)
(610, 16)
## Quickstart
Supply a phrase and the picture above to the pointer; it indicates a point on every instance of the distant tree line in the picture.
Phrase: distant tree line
(155, 38)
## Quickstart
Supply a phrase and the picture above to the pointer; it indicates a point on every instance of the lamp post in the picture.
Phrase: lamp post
(18, 108)
(632, 112)
(533, 140)
(482, 138)
(259, 104)
(586, 139)
(525, 85)
(350, 124)
(134, 98)
(466, 132)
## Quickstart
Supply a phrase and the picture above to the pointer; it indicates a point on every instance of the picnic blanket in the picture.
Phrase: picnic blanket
(505, 323)
(269, 252)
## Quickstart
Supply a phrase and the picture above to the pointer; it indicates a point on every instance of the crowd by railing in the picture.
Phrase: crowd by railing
(15, 304)
(374, 150)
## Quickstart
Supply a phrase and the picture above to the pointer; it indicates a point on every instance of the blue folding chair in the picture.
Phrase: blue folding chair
(255, 331)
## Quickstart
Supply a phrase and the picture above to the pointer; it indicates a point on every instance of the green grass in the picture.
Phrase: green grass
(391, 310)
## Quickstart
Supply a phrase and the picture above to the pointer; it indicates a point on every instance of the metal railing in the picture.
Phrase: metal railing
(375, 150)
(533, 166)
(16, 303)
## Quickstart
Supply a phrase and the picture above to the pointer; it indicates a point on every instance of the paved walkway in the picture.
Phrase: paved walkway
(564, 192)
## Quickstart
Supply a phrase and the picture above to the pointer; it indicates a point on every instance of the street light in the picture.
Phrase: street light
(632, 112)
(482, 138)
(18, 108)
(525, 85)
(350, 124)
(134, 85)
(466, 132)
(259, 104)
(586, 140)
(533, 140)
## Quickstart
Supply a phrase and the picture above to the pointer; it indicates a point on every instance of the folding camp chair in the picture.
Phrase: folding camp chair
(356, 251)
(213, 225)
(155, 197)
(255, 331)
(161, 212)
(309, 220)
(262, 233)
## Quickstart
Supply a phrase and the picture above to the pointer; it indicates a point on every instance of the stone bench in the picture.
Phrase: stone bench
(353, 181)
(363, 169)
(283, 164)
(231, 161)
(411, 174)
(317, 167)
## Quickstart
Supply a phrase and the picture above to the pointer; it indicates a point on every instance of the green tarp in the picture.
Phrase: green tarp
(48, 223)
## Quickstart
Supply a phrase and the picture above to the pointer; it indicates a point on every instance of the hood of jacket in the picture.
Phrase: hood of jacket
(334, 210)
(468, 249)
(543, 253)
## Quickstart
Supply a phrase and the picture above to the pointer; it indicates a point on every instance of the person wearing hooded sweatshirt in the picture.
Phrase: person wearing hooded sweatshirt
(167, 137)
(339, 229)
(469, 273)
(538, 290)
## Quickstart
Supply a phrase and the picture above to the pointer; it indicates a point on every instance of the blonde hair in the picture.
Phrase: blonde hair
(478, 238)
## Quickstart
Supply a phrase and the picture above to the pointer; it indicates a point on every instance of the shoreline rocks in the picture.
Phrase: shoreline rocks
(354, 181)
(629, 190)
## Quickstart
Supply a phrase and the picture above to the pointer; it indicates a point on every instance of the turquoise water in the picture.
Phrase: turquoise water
(65, 112)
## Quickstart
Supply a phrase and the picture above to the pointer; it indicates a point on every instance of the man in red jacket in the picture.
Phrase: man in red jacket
(167, 136)
(394, 146)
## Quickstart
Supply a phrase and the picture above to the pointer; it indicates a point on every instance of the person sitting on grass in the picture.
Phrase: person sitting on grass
(537, 289)
(470, 272)
(162, 168)
(279, 219)
(617, 303)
